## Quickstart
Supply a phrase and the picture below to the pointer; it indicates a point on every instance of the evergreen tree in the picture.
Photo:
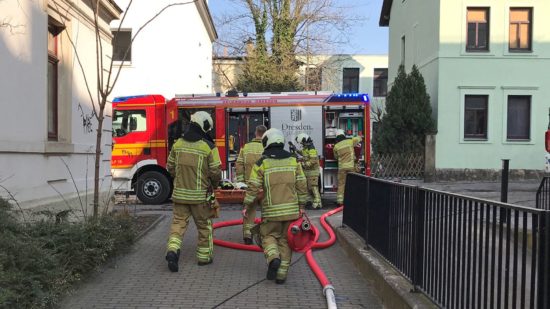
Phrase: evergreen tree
(408, 117)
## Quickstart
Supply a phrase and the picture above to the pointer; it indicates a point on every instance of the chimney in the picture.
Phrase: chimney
(249, 47)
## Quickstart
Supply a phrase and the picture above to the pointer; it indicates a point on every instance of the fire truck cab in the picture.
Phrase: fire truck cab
(146, 126)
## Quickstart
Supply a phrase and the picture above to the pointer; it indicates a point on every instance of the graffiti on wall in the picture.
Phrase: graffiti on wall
(86, 120)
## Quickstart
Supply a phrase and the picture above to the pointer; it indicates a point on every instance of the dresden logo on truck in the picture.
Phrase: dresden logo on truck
(295, 114)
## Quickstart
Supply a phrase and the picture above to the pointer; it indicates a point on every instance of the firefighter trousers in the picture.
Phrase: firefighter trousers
(275, 244)
(313, 190)
(201, 214)
(342, 173)
(248, 221)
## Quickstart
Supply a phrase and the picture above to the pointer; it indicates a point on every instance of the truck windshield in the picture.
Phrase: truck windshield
(127, 121)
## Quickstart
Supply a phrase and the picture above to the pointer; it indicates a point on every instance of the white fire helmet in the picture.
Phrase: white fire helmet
(272, 136)
(203, 119)
(340, 132)
(302, 138)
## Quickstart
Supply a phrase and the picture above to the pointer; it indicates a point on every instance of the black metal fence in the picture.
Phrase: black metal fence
(458, 250)
(543, 194)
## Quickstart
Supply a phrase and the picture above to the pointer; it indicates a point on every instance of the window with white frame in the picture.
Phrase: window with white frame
(54, 29)
(518, 124)
(475, 116)
(380, 83)
(521, 23)
(122, 45)
(350, 80)
(478, 29)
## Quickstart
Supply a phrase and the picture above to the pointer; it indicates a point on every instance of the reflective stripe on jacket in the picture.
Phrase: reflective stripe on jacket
(344, 152)
(195, 167)
(310, 162)
(248, 156)
(284, 185)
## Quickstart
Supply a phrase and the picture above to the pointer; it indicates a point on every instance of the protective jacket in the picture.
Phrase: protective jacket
(194, 162)
(248, 156)
(310, 161)
(343, 151)
(283, 182)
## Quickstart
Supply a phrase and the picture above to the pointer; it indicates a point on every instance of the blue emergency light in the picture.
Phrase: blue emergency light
(349, 97)
(124, 99)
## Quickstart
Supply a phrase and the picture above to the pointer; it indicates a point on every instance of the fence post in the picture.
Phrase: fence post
(418, 245)
(367, 206)
(543, 282)
(504, 213)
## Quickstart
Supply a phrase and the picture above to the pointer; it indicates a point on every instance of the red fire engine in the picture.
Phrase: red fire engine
(146, 126)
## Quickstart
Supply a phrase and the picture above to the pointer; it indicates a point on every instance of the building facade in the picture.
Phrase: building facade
(170, 55)
(48, 128)
(485, 66)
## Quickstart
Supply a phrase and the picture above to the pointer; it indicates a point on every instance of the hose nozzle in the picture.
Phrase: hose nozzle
(295, 229)
(306, 226)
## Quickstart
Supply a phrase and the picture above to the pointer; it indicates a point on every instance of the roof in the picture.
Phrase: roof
(385, 14)
(204, 12)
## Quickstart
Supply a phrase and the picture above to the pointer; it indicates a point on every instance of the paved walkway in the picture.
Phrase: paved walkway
(141, 278)
(519, 192)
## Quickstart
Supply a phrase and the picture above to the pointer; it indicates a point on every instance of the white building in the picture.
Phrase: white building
(485, 64)
(47, 127)
(337, 73)
(171, 55)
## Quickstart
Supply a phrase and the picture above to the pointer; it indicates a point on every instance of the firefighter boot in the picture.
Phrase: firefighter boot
(172, 259)
(272, 269)
(247, 240)
(200, 263)
(280, 281)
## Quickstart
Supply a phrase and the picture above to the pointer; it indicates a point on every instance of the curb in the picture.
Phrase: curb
(391, 287)
(154, 224)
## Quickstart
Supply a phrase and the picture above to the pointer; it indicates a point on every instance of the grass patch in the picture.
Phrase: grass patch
(40, 261)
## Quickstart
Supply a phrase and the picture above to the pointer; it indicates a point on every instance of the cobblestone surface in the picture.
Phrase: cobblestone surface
(141, 278)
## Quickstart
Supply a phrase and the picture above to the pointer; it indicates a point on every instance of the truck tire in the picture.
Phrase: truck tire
(153, 188)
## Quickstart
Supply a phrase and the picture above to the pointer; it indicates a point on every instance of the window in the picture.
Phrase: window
(314, 77)
(350, 80)
(519, 117)
(128, 121)
(520, 29)
(122, 45)
(478, 29)
(403, 50)
(54, 29)
(380, 88)
(475, 116)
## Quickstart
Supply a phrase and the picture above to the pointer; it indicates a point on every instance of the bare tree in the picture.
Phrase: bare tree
(293, 27)
(106, 75)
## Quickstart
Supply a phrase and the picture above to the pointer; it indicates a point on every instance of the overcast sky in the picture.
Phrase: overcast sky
(367, 36)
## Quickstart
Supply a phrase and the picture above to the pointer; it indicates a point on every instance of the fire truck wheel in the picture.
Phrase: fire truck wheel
(153, 188)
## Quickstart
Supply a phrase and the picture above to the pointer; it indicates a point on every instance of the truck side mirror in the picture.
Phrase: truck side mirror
(133, 124)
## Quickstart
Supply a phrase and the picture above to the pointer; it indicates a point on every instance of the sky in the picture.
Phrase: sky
(366, 36)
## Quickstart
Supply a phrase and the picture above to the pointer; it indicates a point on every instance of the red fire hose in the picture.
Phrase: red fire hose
(328, 289)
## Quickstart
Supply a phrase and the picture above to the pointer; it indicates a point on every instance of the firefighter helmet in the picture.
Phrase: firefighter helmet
(272, 136)
(301, 234)
(203, 119)
(303, 138)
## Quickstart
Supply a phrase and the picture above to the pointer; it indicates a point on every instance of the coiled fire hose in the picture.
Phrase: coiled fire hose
(328, 289)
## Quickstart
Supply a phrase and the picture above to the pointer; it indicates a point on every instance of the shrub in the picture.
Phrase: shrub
(40, 261)
(408, 117)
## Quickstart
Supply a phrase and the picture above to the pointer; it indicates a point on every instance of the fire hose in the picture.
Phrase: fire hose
(328, 289)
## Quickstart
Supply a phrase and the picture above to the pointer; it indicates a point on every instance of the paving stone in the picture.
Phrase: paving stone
(141, 279)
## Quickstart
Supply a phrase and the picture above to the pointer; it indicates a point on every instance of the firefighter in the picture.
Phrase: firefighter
(310, 164)
(194, 163)
(345, 154)
(285, 193)
(248, 156)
